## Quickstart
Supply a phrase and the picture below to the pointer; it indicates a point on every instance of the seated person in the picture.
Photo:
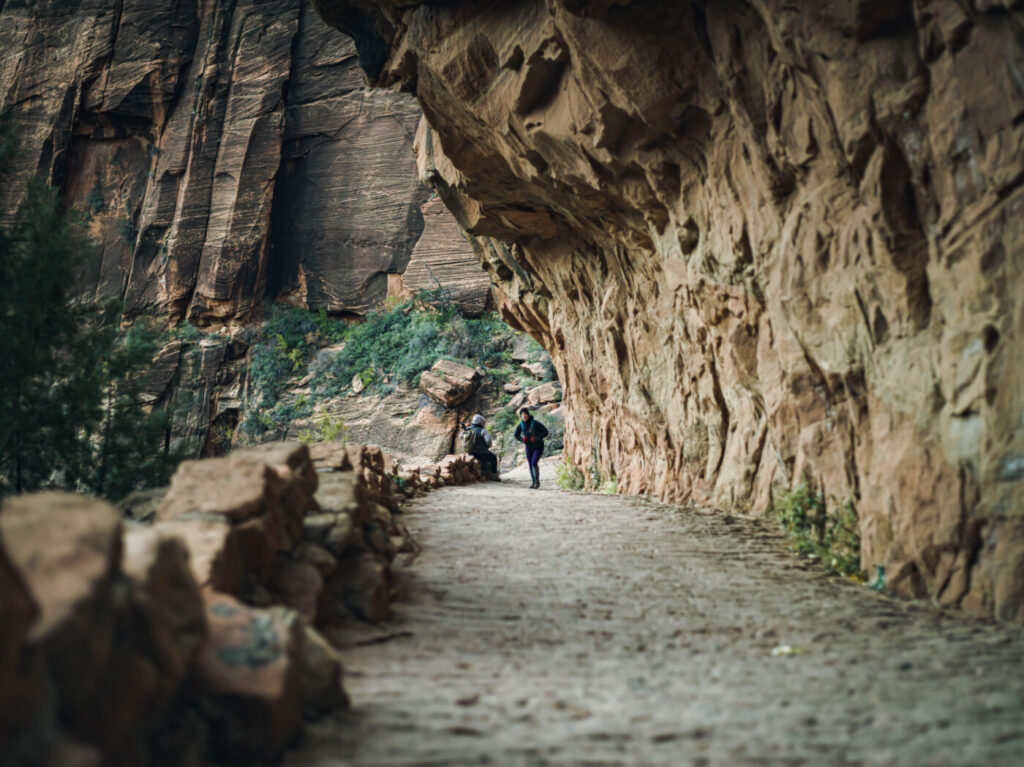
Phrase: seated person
(480, 447)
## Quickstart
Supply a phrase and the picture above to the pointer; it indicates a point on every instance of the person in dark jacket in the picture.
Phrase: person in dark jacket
(531, 433)
(481, 448)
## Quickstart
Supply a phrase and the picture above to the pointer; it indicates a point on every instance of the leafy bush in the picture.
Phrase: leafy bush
(392, 346)
(330, 330)
(833, 538)
(397, 344)
(326, 429)
(504, 420)
(283, 348)
(187, 332)
(556, 433)
(568, 477)
(389, 343)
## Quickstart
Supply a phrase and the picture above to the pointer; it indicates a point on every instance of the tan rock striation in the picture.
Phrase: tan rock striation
(221, 153)
(764, 242)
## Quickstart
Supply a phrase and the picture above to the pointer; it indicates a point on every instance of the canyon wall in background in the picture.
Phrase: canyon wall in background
(766, 243)
(224, 151)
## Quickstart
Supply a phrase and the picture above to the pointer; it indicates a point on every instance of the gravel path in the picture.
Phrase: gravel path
(542, 627)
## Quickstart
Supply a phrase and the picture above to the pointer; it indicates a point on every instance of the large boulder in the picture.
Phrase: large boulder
(268, 479)
(239, 512)
(450, 383)
(168, 598)
(249, 679)
(407, 423)
(359, 586)
(18, 686)
(66, 549)
(114, 637)
(545, 394)
(215, 553)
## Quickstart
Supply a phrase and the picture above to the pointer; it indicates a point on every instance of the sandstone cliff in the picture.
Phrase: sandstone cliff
(765, 243)
(222, 152)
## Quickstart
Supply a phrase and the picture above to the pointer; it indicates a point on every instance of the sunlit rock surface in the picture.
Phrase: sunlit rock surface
(765, 243)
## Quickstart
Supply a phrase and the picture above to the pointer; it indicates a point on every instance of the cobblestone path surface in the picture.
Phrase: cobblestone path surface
(542, 627)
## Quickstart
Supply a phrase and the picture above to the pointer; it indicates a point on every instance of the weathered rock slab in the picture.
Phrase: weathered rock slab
(449, 383)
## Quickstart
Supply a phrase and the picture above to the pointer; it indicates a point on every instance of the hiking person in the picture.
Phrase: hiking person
(477, 442)
(531, 433)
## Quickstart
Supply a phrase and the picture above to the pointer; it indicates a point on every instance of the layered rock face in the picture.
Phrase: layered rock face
(765, 243)
(223, 151)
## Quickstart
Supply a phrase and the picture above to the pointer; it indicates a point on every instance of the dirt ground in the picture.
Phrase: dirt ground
(552, 628)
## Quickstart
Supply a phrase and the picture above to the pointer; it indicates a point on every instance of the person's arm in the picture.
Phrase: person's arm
(543, 430)
(487, 437)
(519, 432)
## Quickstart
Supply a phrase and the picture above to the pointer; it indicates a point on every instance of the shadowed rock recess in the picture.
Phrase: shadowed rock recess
(764, 242)
(222, 152)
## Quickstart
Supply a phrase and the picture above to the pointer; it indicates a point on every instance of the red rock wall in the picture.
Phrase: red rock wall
(765, 242)
(222, 151)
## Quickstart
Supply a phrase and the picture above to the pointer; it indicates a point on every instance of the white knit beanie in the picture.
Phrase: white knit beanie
(478, 420)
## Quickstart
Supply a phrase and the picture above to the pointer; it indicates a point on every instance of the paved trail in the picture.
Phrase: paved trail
(540, 627)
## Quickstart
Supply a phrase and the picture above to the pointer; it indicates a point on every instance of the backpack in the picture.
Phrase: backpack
(472, 440)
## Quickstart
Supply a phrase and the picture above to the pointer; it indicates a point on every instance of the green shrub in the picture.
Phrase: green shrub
(332, 331)
(126, 230)
(326, 429)
(284, 345)
(556, 433)
(397, 344)
(392, 346)
(504, 420)
(568, 477)
(816, 533)
(187, 332)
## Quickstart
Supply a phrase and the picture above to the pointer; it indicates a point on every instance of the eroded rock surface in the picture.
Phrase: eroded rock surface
(765, 244)
(223, 152)
(449, 383)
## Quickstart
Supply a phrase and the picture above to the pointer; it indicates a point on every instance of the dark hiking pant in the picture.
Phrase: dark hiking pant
(534, 451)
(489, 461)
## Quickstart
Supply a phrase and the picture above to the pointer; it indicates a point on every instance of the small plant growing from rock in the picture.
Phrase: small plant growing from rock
(816, 533)
(325, 429)
(568, 477)
(126, 230)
